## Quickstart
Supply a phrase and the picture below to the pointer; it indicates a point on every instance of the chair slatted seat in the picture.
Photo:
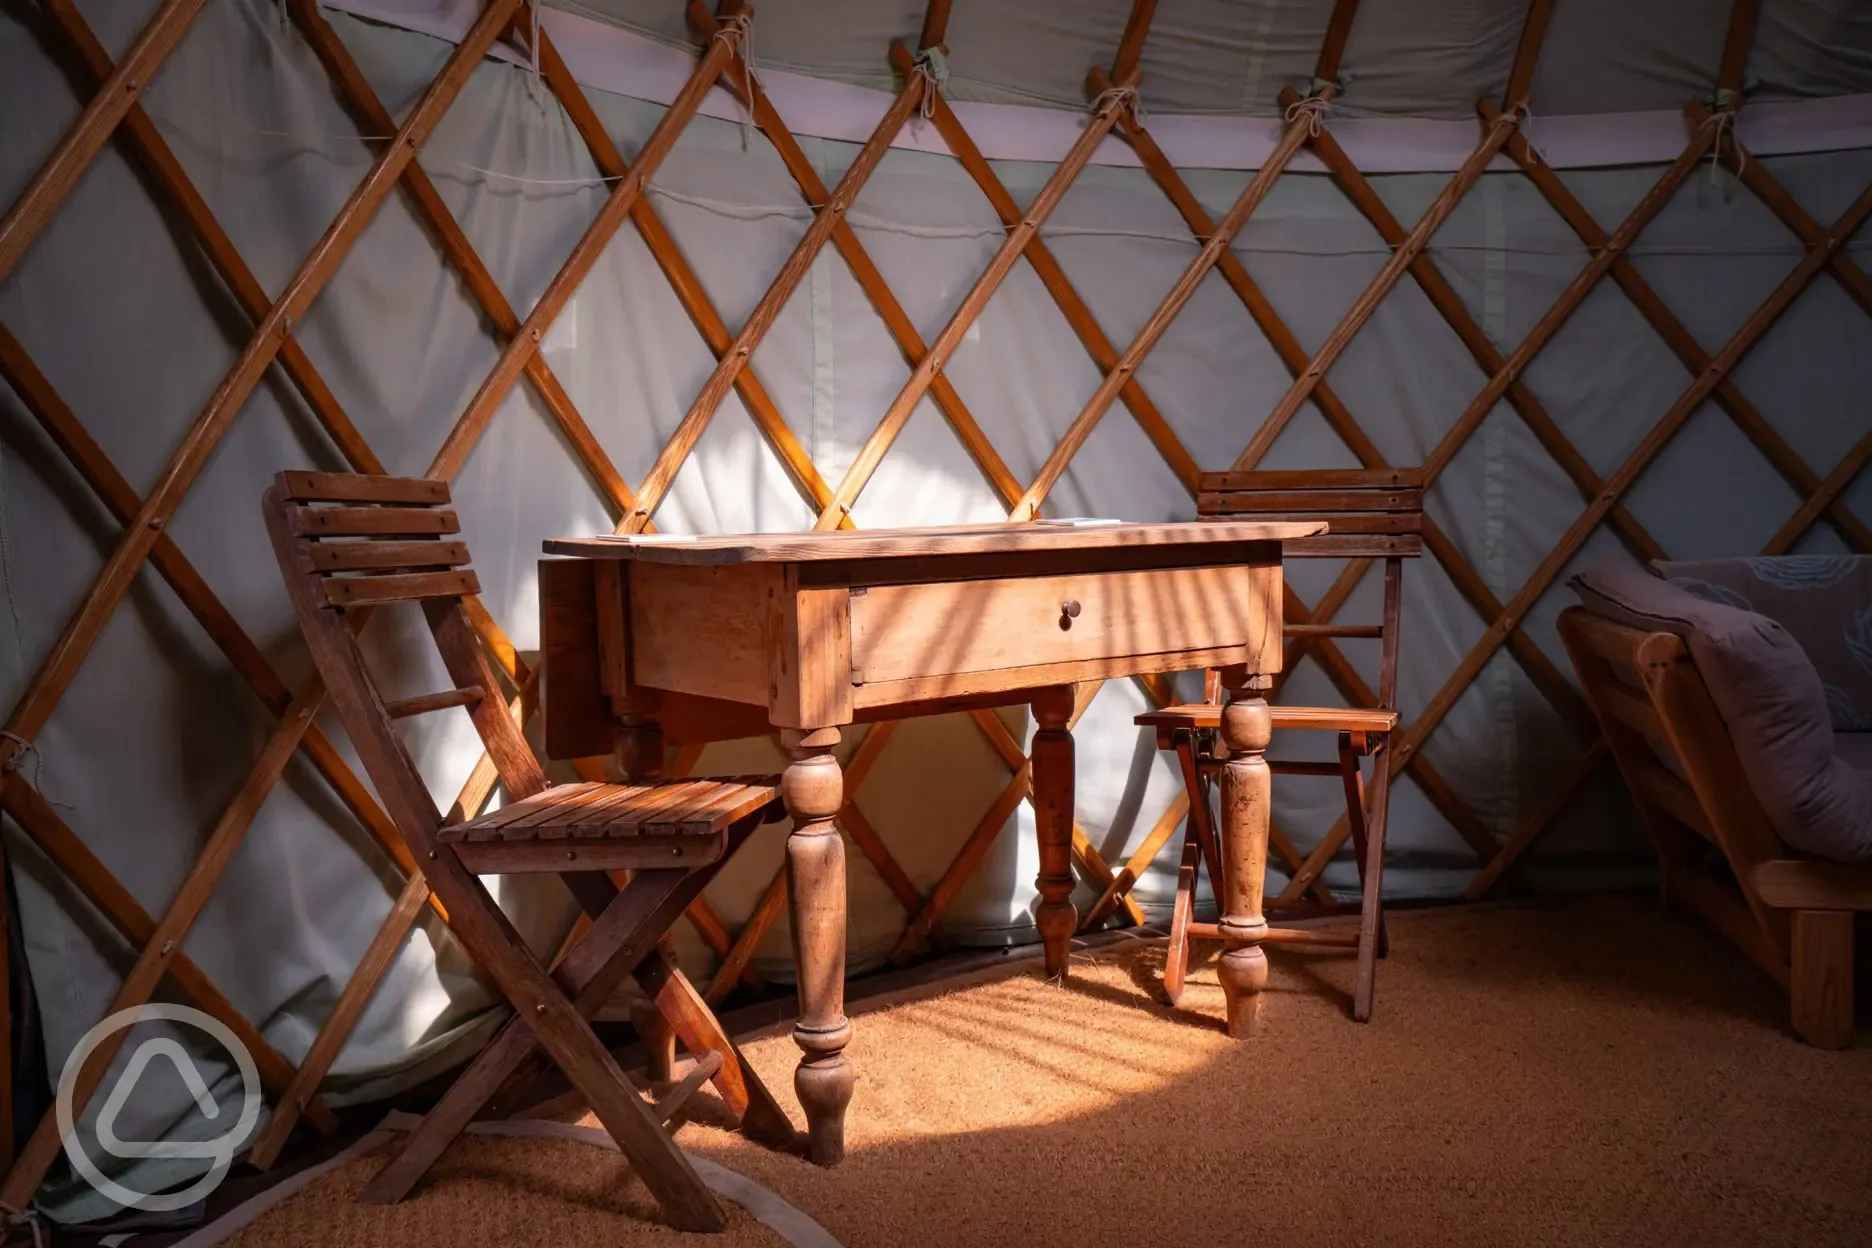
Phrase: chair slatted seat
(704, 808)
(1208, 716)
(1371, 515)
(349, 542)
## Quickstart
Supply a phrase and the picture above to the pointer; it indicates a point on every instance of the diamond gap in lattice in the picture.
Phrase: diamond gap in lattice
(72, 534)
(1599, 821)
(1857, 496)
(36, 98)
(787, 358)
(1121, 269)
(1025, 375)
(521, 486)
(1541, 621)
(110, 751)
(628, 355)
(927, 477)
(1824, 539)
(1122, 781)
(1419, 843)
(929, 230)
(931, 785)
(1308, 443)
(733, 482)
(1479, 748)
(1825, 184)
(1605, 377)
(734, 893)
(1307, 246)
(109, 275)
(1512, 258)
(1213, 375)
(1505, 502)
(431, 987)
(1406, 376)
(218, 523)
(736, 218)
(1546, 746)
(1808, 376)
(1714, 255)
(1709, 493)
(1118, 473)
(254, 119)
(1440, 627)
(857, 367)
(524, 218)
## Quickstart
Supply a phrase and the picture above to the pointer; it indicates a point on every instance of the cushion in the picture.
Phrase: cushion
(1768, 694)
(1824, 601)
(1855, 750)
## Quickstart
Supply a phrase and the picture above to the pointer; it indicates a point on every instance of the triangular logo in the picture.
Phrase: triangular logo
(145, 1053)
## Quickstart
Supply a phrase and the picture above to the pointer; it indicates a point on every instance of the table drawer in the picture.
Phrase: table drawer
(906, 632)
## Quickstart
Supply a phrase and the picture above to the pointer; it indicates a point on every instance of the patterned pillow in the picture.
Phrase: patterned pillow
(1824, 601)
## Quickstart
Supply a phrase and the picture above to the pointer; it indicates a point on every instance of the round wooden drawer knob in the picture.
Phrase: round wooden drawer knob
(1069, 611)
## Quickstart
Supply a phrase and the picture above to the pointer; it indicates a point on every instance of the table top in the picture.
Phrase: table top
(969, 539)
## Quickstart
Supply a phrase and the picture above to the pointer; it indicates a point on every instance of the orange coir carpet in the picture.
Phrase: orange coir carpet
(1589, 1072)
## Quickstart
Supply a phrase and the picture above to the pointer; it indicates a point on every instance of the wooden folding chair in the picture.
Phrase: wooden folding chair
(1372, 514)
(347, 542)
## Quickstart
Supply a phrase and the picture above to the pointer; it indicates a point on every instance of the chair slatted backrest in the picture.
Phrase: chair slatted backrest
(1370, 514)
(349, 544)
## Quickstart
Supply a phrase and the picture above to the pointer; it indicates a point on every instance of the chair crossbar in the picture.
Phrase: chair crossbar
(425, 703)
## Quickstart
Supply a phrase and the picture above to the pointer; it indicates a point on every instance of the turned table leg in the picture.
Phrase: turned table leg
(1053, 820)
(1246, 793)
(813, 788)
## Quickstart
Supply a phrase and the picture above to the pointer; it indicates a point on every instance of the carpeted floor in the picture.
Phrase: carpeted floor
(1586, 1072)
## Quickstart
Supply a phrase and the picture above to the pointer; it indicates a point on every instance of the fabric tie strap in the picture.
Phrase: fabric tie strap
(933, 68)
(19, 758)
(1312, 110)
(1118, 97)
(1723, 106)
(738, 32)
(27, 1217)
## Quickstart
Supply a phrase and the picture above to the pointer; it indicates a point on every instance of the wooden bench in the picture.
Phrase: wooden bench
(1718, 853)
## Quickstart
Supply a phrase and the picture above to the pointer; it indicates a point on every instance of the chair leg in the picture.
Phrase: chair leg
(1176, 955)
(1373, 938)
(1820, 980)
(1199, 841)
(689, 1016)
(685, 1014)
(659, 1041)
(589, 973)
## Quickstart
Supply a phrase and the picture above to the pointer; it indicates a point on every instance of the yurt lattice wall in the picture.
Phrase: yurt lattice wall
(733, 333)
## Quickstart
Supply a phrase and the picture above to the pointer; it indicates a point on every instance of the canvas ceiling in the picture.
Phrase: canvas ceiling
(116, 307)
(1424, 58)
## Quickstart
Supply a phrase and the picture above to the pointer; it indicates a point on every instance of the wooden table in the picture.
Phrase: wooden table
(649, 641)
